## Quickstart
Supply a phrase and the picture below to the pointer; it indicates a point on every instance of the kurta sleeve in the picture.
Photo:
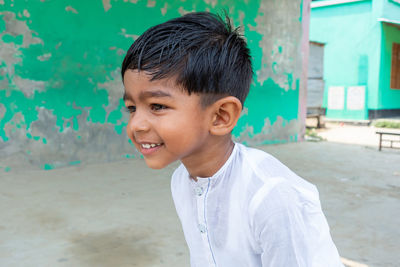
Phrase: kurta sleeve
(280, 229)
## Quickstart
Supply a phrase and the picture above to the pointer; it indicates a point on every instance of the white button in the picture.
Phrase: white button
(199, 190)
(202, 228)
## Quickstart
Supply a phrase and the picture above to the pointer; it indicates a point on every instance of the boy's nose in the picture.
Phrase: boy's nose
(138, 123)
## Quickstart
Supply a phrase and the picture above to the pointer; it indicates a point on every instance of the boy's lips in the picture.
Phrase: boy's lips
(147, 148)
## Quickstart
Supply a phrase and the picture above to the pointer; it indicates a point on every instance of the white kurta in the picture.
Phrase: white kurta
(253, 212)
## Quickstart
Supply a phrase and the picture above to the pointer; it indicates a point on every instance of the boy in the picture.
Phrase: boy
(185, 83)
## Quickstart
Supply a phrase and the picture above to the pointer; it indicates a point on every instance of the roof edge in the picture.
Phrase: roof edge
(390, 21)
(333, 2)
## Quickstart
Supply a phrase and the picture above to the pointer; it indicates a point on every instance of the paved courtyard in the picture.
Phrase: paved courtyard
(122, 214)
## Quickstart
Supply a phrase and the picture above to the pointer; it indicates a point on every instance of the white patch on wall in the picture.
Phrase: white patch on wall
(336, 97)
(356, 97)
(151, 3)
(106, 5)
(44, 57)
(164, 9)
(26, 13)
(70, 8)
(133, 36)
(27, 86)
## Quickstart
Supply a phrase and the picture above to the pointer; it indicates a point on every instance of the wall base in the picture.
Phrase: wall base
(383, 113)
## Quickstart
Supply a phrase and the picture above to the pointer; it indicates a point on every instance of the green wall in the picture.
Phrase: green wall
(388, 98)
(60, 87)
(389, 10)
(351, 56)
(358, 47)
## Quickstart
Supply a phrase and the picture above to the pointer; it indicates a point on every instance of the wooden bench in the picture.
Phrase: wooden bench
(316, 112)
(382, 133)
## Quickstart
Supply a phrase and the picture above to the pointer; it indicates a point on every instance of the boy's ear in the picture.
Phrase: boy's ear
(226, 112)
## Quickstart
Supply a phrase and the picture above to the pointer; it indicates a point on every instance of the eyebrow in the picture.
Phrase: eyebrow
(148, 94)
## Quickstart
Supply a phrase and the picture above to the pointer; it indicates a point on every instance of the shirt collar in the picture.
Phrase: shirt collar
(212, 179)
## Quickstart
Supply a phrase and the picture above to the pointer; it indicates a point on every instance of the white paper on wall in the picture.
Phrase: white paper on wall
(336, 97)
(356, 97)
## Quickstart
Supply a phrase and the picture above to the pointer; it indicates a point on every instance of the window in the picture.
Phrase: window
(395, 73)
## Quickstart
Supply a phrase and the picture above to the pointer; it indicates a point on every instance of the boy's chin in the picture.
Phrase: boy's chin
(156, 165)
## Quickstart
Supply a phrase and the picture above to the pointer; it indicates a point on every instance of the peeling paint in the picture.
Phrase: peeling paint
(26, 13)
(183, 11)
(164, 9)
(244, 112)
(213, 3)
(132, 36)
(58, 45)
(76, 162)
(44, 57)
(121, 52)
(273, 21)
(281, 131)
(151, 3)
(27, 86)
(60, 85)
(10, 53)
(8, 38)
(241, 17)
(71, 9)
(47, 166)
(106, 5)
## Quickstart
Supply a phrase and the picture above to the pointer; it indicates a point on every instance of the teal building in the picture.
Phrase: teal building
(355, 46)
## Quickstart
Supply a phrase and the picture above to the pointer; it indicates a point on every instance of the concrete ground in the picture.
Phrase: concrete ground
(122, 214)
(356, 135)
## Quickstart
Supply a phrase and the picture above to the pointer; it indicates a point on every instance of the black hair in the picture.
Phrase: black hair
(200, 50)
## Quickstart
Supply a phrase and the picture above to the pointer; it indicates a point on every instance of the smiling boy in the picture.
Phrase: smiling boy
(185, 84)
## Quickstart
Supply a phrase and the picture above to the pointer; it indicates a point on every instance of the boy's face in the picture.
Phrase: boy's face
(166, 123)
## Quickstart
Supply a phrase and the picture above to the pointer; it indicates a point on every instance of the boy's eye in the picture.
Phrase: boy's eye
(131, 109)
(157, 107)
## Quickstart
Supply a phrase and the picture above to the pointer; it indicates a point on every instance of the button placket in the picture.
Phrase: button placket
(200, 209)
(199, 190)
(202, 228)
(201, 197)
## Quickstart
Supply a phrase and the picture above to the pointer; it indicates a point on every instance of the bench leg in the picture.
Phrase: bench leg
(380, 142)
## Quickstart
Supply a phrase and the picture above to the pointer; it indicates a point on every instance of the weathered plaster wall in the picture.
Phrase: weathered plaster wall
(60, 90)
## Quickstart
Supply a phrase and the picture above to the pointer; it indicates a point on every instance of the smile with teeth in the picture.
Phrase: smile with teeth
(147, 146)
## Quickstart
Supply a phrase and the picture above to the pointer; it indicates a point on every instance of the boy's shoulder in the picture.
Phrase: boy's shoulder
(264, 166)
(256, 178)
(241, 157)
(251, 165)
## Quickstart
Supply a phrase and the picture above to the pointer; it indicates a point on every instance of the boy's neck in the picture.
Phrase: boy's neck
(212, 158)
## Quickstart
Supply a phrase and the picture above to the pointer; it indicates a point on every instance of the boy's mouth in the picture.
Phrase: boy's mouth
(147, 146)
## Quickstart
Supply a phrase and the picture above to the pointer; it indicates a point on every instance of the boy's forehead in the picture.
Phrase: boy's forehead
(140, 83)
(135, 78)
(142, 75)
